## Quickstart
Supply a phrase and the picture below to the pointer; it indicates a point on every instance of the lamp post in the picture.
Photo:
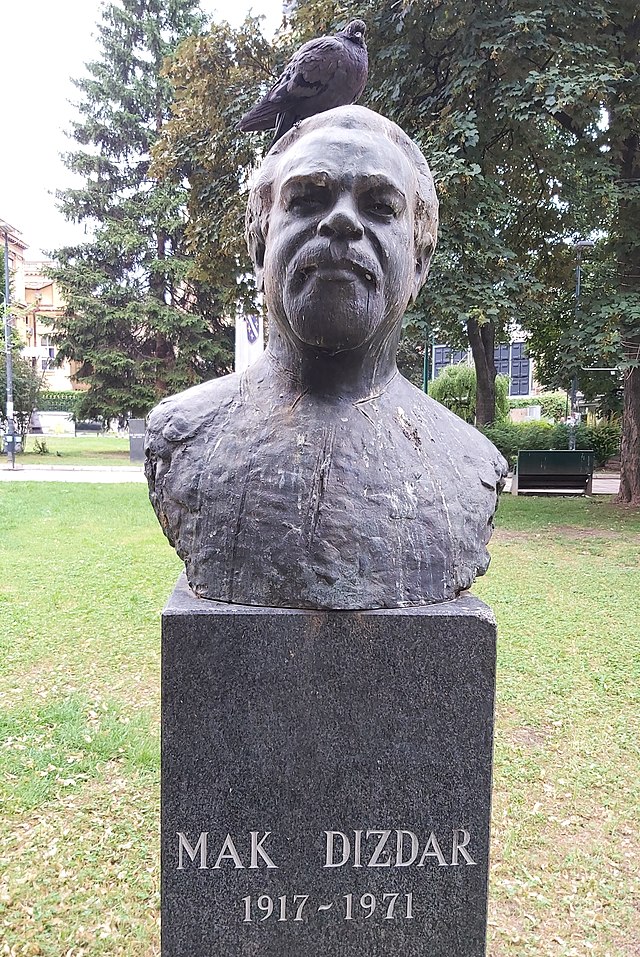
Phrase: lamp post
(426, 364)
(579, 247)
(10, 444)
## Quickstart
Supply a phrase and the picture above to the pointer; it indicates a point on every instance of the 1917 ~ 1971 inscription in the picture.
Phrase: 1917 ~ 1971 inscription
(359, 848)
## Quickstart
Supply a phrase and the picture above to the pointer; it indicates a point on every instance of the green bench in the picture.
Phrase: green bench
(553, 472)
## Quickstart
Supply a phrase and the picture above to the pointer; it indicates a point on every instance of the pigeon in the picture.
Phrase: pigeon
(324, 73)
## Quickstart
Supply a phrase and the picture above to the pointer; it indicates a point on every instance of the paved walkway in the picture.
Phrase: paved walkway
(72, 473)
(604, 483)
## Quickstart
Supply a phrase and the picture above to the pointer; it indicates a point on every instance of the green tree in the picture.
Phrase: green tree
(456, 387)
(531, 119)
(583, 343)
(135, 319)
(528, 116)
(216, 78)
(26, 389)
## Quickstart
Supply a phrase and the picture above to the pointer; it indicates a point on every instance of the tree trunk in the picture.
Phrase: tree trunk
(629, 493)
(482, 341)
(628, 257)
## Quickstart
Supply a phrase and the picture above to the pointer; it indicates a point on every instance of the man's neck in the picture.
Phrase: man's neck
(352, 375)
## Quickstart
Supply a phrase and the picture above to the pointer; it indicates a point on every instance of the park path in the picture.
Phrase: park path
(72, 473)
(604, 483)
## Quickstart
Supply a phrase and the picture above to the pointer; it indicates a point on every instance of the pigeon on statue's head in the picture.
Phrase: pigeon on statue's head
(324, 73)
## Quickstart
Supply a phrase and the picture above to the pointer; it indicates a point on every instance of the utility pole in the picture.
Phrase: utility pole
(10, 444)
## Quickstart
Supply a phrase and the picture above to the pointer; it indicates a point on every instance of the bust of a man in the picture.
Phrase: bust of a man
(320, 477)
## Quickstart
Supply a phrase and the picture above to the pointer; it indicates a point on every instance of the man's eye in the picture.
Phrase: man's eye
(307, 201)
(380, 208)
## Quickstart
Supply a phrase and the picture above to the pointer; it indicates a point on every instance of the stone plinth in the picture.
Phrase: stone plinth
(326, 780)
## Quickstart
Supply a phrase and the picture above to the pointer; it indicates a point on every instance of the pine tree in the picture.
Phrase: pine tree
(135, 320)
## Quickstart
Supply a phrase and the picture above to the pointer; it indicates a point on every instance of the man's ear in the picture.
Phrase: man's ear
(257, 254)
(422, 263)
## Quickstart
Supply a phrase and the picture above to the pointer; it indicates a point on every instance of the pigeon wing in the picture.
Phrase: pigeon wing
(304, 85)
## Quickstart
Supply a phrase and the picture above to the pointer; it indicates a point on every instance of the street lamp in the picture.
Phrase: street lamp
(579, 247)
(426, 364)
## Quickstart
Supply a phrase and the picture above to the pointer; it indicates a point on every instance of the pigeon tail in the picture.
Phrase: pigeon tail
(284, 123)
(260, 117)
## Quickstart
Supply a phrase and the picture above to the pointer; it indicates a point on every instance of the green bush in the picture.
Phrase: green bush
(510, 437)
(49, 401)
(455, 387)
(603, 439)
(553, 404)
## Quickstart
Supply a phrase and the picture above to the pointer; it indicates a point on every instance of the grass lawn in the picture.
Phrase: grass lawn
(104, 450)
(85, 572)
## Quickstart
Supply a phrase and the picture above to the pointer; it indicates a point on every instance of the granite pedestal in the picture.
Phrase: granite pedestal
(326, 780)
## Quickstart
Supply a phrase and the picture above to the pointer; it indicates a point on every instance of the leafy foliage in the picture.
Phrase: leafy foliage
(136, 321)
(511, 437)
(216, 78)
(50, 401)
(553, 405)
(455, 387)
(40, 447)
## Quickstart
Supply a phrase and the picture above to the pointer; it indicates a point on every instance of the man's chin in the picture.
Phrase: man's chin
(332, 330)
(330, 341)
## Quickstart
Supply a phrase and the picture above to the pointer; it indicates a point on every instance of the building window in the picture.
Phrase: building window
(47, 349)
(501, 359)
(443, 356)
(441, 359)
(520, 369)
(511, 360)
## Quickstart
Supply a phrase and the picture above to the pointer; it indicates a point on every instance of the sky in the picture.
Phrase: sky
(43, 44)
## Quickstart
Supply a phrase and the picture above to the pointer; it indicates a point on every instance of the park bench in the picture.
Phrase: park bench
(89, 427)
(553, 472)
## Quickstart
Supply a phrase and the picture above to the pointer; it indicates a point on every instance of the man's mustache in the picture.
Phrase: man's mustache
(331, 256)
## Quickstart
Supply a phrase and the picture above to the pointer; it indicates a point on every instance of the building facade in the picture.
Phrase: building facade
(38, 303)
(510, 359)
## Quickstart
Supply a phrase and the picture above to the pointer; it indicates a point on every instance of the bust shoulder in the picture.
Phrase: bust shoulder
(180, 417)
(465, 444)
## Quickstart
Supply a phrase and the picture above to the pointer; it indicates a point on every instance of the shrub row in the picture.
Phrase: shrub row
(510, 437)
(553, 404)
(49, 401)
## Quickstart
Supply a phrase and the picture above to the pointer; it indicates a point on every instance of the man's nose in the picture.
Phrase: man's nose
(341, 222)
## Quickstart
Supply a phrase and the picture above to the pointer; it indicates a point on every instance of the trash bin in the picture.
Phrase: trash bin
(136, 440)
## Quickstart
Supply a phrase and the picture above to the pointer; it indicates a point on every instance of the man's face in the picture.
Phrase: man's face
(339, 259)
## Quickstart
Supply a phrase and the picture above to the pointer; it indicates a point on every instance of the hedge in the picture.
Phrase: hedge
(49, 401)
(553, 404)
(510, 437)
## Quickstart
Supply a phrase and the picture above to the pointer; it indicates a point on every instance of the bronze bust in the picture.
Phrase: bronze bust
(321, 478)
